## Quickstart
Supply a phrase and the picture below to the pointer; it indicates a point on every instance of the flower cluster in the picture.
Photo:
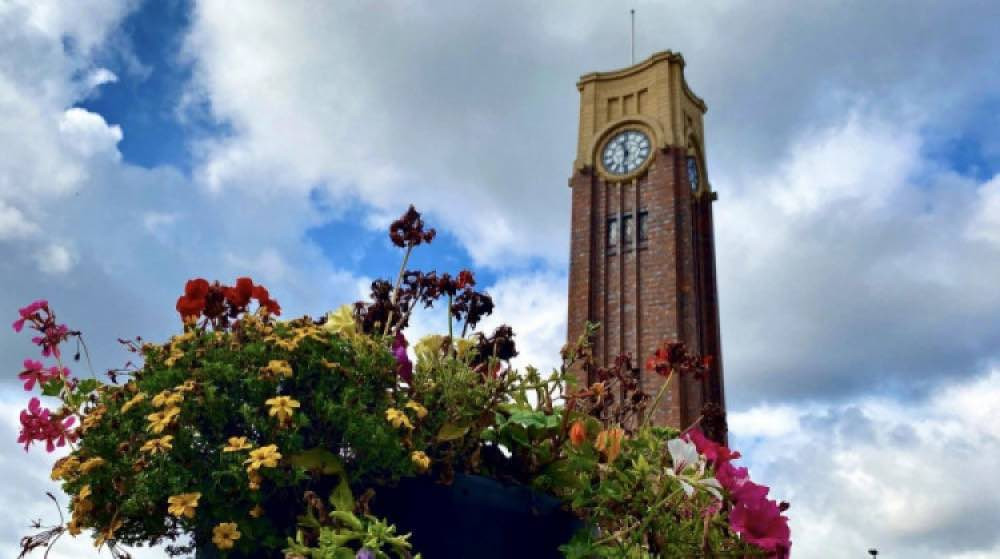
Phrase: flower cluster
(408, 230)
(754, 517)
(35, 372)
(226, 433)
(40, 424)
(42, 320)
(221, 303)
(673, 356)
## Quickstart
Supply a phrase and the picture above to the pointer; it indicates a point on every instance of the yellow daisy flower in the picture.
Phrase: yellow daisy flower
(84, 492)
(420, 460)
(278, 368)
(65, 467)
(397, 418)
(187, 386)
(236, 444)
(257, 511)
(162, 444)
(417, 408)
(91, 464)
(183, 504)
(167, 398)
(282, 407)
(225, 535)
(161, 420)
(263, 457)
(133, 402)
(93, 418)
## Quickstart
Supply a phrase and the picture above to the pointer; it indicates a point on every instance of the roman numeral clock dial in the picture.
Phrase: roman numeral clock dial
(625, 152)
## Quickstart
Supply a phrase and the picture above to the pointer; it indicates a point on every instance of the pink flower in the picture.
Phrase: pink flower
(403, 365)
(52, 335)
(760, 522)
(37, 424)
(29, 311)
(711, 450)
(32, 373)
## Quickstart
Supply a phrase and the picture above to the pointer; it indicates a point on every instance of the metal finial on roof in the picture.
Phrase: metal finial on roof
(632, 13)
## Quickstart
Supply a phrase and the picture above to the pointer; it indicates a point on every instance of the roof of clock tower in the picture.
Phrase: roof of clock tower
(651, 95)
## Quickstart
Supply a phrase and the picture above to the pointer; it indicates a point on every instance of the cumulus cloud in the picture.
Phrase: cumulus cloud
(903, 477)
(845, 270)
(855, 269)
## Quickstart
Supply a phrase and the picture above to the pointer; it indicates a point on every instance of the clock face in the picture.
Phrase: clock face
(625, 152)
(693, 173)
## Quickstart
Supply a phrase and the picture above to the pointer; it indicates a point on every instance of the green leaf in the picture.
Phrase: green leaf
(341, 497)
(318, 460)
(449, 432)
(87, 386)
(52, 387)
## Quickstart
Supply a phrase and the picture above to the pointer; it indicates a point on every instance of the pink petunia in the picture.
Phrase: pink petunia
(760, 522)
(711, 450)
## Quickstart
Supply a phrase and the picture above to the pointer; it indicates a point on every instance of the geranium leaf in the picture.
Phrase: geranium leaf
(449, 432)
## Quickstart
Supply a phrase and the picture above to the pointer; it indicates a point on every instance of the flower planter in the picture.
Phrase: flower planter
(476, 517)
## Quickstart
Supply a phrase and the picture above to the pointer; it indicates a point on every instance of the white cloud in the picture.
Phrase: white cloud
(55, 259)
(13, 224)
(909, 478)
(87, 133)
(985, 223)
(99, 77)
(853, 256)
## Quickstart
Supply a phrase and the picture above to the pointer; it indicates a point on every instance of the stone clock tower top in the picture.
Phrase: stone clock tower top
(642, 244)
(653, 94)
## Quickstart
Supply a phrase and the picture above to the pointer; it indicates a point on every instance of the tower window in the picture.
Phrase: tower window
(612, 232)
(628, 229)
(643, 226)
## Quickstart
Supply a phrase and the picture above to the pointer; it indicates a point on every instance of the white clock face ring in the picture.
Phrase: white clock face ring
(625, 152)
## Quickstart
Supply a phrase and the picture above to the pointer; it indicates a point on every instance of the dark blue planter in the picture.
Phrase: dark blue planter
(476, 517)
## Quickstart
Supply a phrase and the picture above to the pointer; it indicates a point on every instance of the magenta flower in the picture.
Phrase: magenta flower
(37, 424)
(404, 367)
(29, 311)
(52, 336)
(760, 522)
(711, 450)
(33, 372)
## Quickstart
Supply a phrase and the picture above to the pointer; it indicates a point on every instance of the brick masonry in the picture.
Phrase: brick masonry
(646, 291)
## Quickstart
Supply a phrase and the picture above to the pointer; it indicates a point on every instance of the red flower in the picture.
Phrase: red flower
(239, 296)
(192, 303)
(465, 279)
(264, 298)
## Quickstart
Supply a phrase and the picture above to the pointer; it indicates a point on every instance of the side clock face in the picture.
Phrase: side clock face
(625, 152)
(693, 173)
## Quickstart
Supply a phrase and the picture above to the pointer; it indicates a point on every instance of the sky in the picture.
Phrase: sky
(854, 146)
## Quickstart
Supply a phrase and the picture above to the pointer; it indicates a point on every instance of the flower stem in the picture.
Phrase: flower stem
(659, 396)
(395, 290)
(451, 335)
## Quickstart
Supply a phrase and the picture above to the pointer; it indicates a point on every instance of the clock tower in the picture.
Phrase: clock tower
(642, 247)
